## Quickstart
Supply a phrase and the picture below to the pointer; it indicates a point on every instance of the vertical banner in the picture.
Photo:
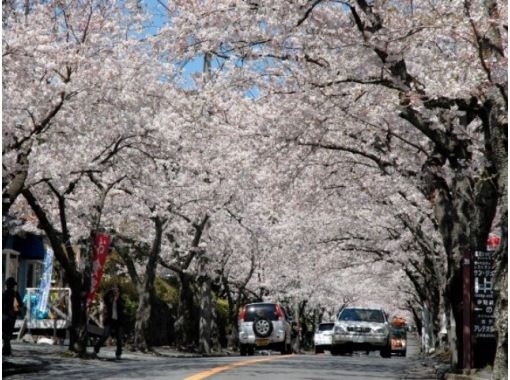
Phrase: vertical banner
(44, 286)
(100, 251)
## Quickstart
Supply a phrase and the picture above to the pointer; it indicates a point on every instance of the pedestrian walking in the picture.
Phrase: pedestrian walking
(113, 320)
(11, 308)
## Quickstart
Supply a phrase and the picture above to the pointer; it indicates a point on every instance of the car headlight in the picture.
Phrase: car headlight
(380, 330)
(340, 330)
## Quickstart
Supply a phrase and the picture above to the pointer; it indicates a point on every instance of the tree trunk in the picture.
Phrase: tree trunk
(454, 300)
(428, 336)
(499, 141)
(234, 307)
(78, 334)
(186, 325)
(208, 331)
(145, 287)
(143, 313)
(416, 312)
(79, 282)
(501, 291)
(424, 278)
(500, 371)
(233, 310)
(296, 343)
(13, 188)
(464, 212)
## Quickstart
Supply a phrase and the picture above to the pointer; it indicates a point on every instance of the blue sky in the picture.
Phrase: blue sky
(193, 66)
(159, 19)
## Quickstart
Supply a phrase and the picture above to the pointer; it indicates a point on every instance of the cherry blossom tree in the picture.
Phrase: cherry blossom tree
(69, 79)
(357, 78)
(318, 142)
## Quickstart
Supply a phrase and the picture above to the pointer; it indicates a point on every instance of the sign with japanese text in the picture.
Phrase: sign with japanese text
(483, 295)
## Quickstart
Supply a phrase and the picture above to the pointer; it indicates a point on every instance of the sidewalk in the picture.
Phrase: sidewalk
(32, 357)
(477, 374)
(442, 369)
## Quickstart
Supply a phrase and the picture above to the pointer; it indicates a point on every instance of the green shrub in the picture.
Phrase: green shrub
(166, 291)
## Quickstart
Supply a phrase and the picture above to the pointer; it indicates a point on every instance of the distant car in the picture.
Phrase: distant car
(361, 329)
(323, 337)
(398, 338)
(264, 326)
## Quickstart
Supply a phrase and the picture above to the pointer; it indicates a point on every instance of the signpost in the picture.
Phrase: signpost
(479, 335)
(483, 295)
(467, 349)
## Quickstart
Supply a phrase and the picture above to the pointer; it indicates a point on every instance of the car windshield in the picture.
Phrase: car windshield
(365, 315)
(326, 326)
(265, 310)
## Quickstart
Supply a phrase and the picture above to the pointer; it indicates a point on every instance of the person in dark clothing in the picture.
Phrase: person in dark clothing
(11, 308)
(113, 319)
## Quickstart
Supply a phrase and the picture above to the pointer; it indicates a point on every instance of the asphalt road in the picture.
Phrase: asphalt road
(263, 366)
(325, 367)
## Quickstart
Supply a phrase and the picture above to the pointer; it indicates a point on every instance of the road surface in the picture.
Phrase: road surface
(263, 366)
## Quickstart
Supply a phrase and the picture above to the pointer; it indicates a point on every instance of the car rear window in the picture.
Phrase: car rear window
(399, 333)
(326, 326)
(365, 315)
(266, 310)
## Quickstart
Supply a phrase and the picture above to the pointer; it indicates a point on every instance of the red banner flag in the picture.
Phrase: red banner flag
(101, 246)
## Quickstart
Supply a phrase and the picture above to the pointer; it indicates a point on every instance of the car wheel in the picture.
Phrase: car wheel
(251, 350)
(243, 350)
(262, 327)
(319, 350)
(335, 351)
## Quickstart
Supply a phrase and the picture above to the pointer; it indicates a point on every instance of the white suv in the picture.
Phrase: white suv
(264, 326)
(361, 329)
(323, 337)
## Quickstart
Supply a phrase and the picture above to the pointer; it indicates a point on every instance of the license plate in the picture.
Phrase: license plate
(262, 342)
(358, 339)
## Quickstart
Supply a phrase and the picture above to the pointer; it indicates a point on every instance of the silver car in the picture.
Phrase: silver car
(264, 326)
(323, 337)
(361, 329)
